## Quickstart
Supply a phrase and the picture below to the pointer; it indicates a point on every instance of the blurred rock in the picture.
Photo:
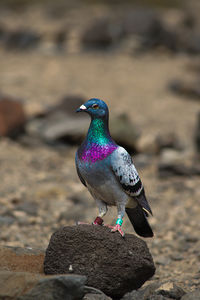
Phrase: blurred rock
(138, 21)
(12, 117)
(159, 35)
(192, 43)
(7, 220)
(147, 144)
(156, 291)
(197, 133)
(170, 290)
(15, 284)
(22, 39)
(170, 169)
(57, 288)
(175, 163)
(101, 34)
(195, 295)
(60, 38)
(189, 90)
(124, 132)
(31, 286)
(67, 104)
(155, 143)
(60, 123)
(168, 140)
(171, 156)
(30, 208)
(83, 249)
(147, 25)
(21, 277)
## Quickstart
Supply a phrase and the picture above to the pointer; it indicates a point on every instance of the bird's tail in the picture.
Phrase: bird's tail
(138, 219)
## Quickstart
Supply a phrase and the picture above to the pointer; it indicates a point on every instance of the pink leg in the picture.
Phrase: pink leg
(118, 228)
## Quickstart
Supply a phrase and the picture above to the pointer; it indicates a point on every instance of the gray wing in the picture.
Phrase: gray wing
(125, 171)
(127, 175)
(78, 170)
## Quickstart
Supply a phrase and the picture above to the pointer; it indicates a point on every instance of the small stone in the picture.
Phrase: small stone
(101, 34)
(143, 293)
(190, 90)
(7, 220)
(162, 260)
(170, 290)
(101, 255)
(28, 207)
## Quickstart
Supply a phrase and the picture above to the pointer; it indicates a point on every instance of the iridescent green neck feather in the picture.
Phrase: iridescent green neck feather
(99, 132)
(98, 143)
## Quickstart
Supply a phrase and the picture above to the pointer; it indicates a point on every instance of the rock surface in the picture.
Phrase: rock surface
(156, 291)
(57, 288)
(111, 263)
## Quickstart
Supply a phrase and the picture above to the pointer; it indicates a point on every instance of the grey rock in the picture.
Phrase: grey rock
(143, 293)
(170, 290)
(124, 132)
(100, 255)
(7, 220)
(101, 34)
(156, 291)
(94, 294)
(190, 90)
(195, 295)
(30, 208)
(62, 287)
(170, 169)
(139, 20)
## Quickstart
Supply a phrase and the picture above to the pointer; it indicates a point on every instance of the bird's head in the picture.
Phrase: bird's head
(96, 108)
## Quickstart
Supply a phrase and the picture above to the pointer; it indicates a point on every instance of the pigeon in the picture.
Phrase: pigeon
(108, 172)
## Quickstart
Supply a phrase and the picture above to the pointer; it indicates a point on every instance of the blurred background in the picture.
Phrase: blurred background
(143, 59)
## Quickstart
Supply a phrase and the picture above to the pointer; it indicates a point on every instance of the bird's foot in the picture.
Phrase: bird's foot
(98, 221)
(118, 228)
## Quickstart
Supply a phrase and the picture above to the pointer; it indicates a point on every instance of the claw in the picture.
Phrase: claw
(118, 228)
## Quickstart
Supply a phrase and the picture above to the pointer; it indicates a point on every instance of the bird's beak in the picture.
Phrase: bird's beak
(81, 108)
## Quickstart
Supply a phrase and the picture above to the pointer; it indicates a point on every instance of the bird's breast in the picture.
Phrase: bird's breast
(95, 152)
(101, 182)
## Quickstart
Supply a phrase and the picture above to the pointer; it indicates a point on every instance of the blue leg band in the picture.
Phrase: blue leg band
(119, 222)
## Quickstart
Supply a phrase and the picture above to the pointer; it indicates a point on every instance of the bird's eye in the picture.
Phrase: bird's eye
(95, 106)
